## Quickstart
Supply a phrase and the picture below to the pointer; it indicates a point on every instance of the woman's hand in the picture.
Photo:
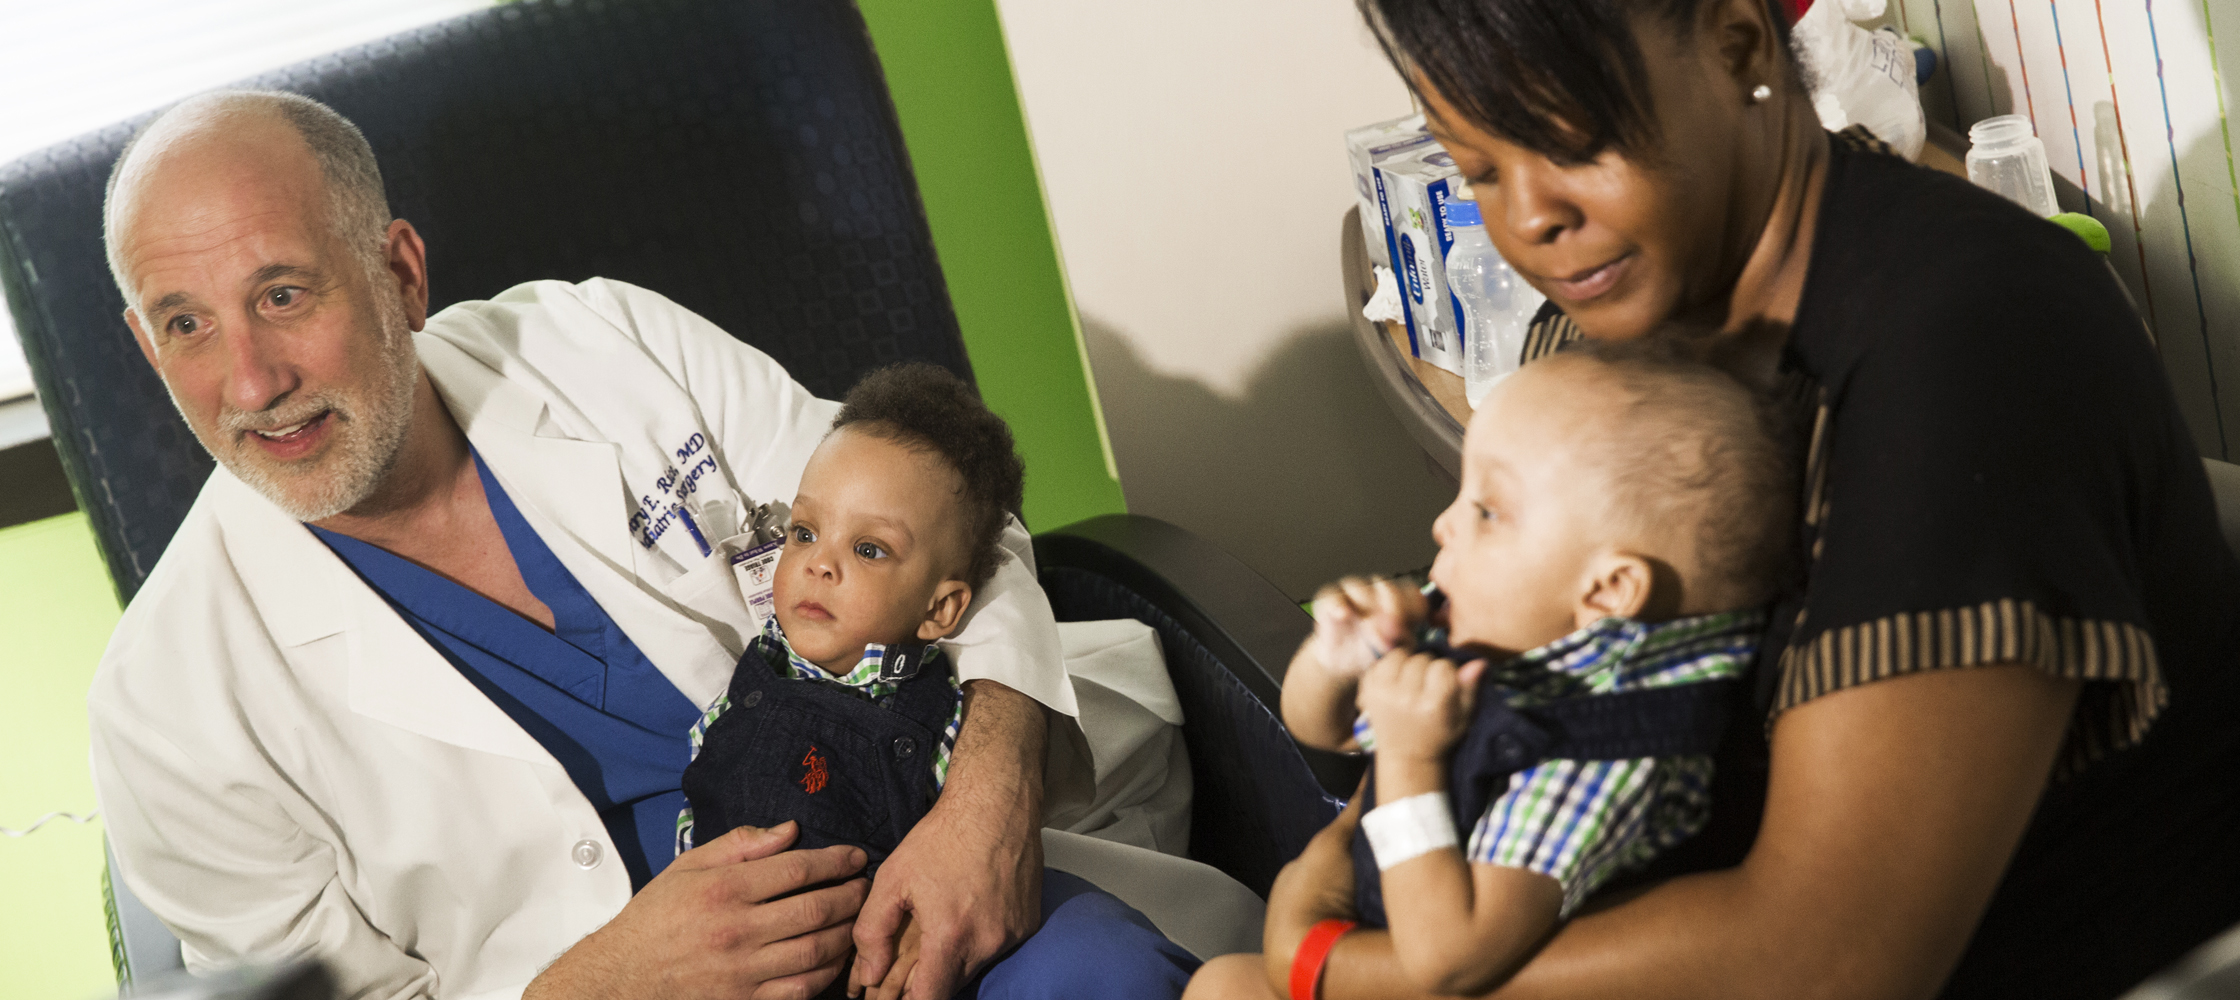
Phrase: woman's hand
(1315, 886)
(1892, 812)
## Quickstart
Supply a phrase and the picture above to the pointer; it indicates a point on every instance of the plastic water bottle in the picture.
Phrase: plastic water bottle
(1497, 305)
(2005, 156)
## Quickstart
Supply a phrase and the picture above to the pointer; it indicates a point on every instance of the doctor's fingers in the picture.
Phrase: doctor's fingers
(878, 934)
(768, 878)
(741, 843)
(801, 967)
(807, 913)
(947, 957)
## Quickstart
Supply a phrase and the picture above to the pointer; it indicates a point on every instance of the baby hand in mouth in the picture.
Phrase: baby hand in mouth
(1358, 619)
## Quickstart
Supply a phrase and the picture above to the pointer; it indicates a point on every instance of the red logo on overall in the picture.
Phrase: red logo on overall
(815, 777)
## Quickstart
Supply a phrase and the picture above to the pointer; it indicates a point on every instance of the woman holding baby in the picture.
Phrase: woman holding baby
(1987, 743)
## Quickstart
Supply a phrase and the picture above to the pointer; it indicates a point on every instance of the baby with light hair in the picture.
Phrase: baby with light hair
(1543, 716)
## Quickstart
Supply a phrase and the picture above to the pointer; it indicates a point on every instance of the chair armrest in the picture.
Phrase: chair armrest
(140, 946)
(1227, 634)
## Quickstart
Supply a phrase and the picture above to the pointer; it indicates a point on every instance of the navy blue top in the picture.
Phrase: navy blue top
(583, 690)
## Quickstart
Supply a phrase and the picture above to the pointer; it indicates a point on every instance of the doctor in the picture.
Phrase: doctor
(437, 737)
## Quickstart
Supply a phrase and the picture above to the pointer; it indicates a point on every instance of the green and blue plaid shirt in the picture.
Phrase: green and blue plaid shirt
(1582, 821)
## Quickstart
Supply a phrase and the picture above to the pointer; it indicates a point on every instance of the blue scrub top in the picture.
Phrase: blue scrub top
(583, 690)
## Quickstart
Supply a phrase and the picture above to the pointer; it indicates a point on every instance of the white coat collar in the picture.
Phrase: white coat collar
(304, 593)
(570, 479)
(572, 486)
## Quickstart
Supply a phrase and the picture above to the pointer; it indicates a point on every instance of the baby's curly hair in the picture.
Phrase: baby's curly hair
(925, 408)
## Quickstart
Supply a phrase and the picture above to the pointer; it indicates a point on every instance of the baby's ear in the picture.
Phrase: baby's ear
(945, 611)
(1618, 585)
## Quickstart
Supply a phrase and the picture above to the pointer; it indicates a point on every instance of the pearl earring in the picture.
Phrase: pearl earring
(1760, 93)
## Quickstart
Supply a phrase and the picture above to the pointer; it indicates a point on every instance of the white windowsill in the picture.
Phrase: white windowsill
(21, 421)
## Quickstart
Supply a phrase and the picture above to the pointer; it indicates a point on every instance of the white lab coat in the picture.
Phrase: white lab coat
(285, 766)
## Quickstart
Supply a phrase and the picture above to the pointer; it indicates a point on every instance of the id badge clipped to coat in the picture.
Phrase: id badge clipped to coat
(756, 565)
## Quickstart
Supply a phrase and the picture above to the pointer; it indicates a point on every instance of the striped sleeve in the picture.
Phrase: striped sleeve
(1582, 821)
(1550, 331)
(2109, 716)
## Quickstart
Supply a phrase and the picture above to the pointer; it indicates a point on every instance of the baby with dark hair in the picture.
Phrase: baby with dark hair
(842, 714)
(924, 408)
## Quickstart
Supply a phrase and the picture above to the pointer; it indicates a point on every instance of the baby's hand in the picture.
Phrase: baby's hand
(1358, 619)
(1418, 704)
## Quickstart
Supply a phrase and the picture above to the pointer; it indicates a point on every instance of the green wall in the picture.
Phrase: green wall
(56, 611)
(952, 87)
(951, 80)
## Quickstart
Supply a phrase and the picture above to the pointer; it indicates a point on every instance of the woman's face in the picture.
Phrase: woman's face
(1632, 238)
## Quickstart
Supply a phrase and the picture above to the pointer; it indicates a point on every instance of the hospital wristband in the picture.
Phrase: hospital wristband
(1313, 954)
(1413, 826)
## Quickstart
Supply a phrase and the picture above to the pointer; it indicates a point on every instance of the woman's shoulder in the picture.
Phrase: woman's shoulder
(1919, 274)
(1901, 228)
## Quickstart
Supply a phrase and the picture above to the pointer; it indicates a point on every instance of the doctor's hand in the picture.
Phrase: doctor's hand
(898, 974)
(711, 925)
(969, 874)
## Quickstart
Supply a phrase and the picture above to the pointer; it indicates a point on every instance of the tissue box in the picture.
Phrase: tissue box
(1413, 193)
(1366, 147)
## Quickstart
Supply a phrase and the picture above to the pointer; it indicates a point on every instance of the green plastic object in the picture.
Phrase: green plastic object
(951, 81)
(2086, 227)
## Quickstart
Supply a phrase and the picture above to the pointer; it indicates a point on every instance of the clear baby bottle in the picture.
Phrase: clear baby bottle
(2004, 155)
(1497, 305)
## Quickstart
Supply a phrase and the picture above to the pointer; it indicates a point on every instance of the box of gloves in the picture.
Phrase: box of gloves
(1366, 147)
(1413, 193)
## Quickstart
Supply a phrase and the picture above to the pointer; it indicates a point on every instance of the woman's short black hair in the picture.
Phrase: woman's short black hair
(1563, 78)
(925, 408)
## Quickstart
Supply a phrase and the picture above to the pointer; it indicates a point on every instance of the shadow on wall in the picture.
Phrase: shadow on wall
(2197, 285)
(1307, 477)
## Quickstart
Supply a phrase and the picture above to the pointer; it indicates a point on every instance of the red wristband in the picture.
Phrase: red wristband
(1313, 954)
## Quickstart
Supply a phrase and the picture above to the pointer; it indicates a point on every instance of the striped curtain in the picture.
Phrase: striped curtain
(2129, 98)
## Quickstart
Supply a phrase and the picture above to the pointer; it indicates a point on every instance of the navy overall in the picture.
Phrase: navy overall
(854, 772)
(820, 754)
(1683, 719)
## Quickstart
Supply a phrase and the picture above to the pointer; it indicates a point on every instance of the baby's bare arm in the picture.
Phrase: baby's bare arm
(1356, 620)
(1318, 703)
(1458, 928)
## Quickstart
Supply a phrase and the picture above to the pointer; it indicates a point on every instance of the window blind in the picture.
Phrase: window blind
(93, 62)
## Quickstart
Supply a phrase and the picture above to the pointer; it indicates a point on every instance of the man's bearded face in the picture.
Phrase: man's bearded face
(286, 349)
(364, 419)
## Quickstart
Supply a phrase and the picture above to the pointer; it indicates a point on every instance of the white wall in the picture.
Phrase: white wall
(1192, 155)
